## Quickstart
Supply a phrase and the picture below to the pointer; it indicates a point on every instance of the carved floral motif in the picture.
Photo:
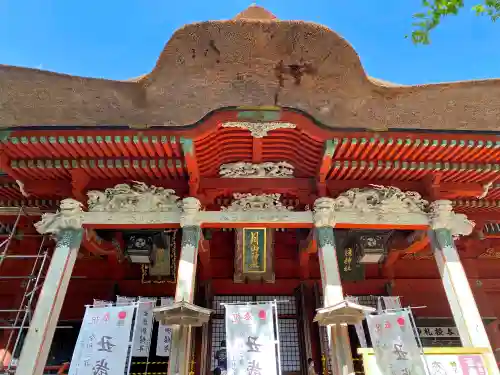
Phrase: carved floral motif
(263, 202)
(136, 198)
(280, 169)
(69, 216)
(259, 129)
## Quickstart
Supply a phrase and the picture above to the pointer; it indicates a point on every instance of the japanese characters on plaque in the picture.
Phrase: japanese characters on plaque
(164, 342)
(394, 343)
(350, 269)
(143, 327)
(254, 250)
(104, 341)
(348, 253)
(251, 345)
(438, 332)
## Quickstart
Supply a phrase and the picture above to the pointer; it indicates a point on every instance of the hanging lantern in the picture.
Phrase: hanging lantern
(139, 248)
(372, 247)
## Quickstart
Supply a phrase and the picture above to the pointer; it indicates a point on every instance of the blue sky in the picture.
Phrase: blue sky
(122, 39)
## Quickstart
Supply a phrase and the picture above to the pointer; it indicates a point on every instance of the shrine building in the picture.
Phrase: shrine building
(257, 161)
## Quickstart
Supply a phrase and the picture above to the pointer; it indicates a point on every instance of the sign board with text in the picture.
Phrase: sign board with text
(439, 361)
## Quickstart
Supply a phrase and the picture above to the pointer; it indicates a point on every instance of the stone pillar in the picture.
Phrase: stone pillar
(446, 225)
(66, 225)
(186, 278)
(324, 222)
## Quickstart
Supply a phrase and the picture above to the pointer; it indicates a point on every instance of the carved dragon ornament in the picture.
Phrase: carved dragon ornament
(381, 200)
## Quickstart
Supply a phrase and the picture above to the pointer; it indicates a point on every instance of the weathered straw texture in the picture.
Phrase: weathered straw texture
(209, 65)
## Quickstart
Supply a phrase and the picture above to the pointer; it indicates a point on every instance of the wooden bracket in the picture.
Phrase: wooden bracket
(420, 242)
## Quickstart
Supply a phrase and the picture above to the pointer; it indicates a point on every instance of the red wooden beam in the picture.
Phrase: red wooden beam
(79, 181)
(191, 164)
(257, 150)
(204, 254)
(264, 184)
(324, 167)
(419, 244)
(306, 248)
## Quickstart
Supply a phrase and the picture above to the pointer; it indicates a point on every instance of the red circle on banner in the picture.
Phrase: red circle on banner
(122, 315)
(401, 321)
(262, 314)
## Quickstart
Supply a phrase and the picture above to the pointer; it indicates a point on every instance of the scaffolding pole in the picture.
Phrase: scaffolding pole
(23, 314)
(7, 241)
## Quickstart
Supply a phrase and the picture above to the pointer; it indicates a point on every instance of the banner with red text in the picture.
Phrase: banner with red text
(250, 340)
(104, 341)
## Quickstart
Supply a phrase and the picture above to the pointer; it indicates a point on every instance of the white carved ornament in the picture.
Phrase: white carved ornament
(69, 216)
(263, 202)
(136, 198)
(256, 208)
(373, 202)
(442, 216)
(259, 129)
(242, 169)
(381, 200)
(324, 212)
(189, 215)
(392, 205)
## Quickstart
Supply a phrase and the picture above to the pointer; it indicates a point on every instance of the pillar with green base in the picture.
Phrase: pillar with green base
(66, 225)
(180, 354)
(338, 337)
(446, 225)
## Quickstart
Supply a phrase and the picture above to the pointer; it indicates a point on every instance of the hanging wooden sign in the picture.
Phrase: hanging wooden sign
(349, 267)
(254, 258)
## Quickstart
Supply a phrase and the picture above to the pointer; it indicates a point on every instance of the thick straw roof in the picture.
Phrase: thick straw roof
(251, 60)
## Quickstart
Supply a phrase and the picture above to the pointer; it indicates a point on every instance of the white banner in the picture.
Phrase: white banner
(391, 303)
(143, 327)
(164, 341)
(103, 342)
(101, 303)
(360, 332)
(124, 301)
(394, 343)
(388, 303)
(251, 345)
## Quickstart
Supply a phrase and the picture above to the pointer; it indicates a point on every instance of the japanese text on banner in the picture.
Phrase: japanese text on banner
(103, 342)
(143, 327)
(251, 345)
(394, 343)
(163, 344)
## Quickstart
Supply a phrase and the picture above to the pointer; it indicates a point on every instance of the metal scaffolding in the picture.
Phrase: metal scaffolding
(17, 325)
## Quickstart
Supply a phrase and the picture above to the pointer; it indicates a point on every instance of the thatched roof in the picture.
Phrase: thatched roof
(252, 60)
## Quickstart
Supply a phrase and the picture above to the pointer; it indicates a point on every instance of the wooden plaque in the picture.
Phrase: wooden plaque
(254, 255)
